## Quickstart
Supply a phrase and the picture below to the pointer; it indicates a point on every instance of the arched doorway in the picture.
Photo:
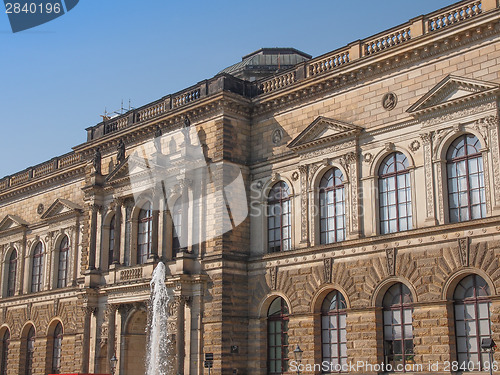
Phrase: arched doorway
(135, 344)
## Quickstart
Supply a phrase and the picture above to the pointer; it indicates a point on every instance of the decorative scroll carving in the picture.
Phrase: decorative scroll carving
(391, 261)
(304, 224)
(172, 307)
(29, 306)
(327, 270)
(429, 186)
(368, 158)
(273, 273)
(486, 172)
(464, 250)
(492, 122)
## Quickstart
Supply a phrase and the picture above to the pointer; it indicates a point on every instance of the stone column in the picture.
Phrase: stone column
(118, 232)
(185, 214)
(126, 238)
(493, 123)
(350, 162)
(304, 202)
(111, 331)
(155, 227)
(94, 210)
(87, 311)
(430, 215)
(180, 338)
(93, 341)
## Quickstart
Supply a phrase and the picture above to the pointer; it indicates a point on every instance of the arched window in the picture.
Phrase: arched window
(5, 352)
(30, 351)
(11, 277)
(37, 268)
(62, 272)
(332, 207)
(277, 336)
(466, 193)
(472, 321)
(111, 250)
(144, 233)
(333, 330)
(176, 227)
(279, 236)
(56, 350)
(398, 329)
(395, 194)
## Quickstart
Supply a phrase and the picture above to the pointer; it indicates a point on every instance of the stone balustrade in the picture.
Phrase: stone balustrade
(388, 40)
(44, 169)
(186, 97)
(452, 16)
(40, 170)
(278, 82)
(326, 64)
(131, 274)
(152, 111)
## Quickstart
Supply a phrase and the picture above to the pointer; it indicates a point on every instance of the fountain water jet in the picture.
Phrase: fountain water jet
(158, 358)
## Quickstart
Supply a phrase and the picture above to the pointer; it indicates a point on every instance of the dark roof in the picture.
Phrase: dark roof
(266, 61)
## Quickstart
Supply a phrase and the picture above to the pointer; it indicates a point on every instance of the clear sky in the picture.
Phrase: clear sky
(59, 77)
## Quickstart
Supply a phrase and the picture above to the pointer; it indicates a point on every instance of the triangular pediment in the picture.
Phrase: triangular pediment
(452, 90)
(133, 165)
(11, 222)
(324, 130)
(61, 207)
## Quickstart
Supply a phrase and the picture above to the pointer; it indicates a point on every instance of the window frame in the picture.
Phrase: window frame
(4, 363)
(285, 243)
(57, 338)
(475, 301)
(400, 307)
(12, 274)
(37, 265)
(384, 178)
(63, 264)
(336, 314)
(30, 351)
(323, 206)
(454, 163)
(283, 318)
(144, 228)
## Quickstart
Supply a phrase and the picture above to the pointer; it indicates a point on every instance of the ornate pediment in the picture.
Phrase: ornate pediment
(324, 130)
(452, 90)
(61, 207)
(11, 223)
(133, 166)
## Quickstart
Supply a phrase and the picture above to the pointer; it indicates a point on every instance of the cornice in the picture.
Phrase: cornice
(32, 185)
(368, 246)
(413, 51)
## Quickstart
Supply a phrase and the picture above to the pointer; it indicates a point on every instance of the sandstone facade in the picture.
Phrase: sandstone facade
(413, 91)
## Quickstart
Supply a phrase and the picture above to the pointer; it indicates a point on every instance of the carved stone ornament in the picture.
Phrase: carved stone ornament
(389, 146)
(327, 270)
(295, 176)
(277, 136)
(464, 251)
(273, 272)
(389, 101)
(275, 177)
(391, 261)
(414, 146)
(39, 209)
(368, 158)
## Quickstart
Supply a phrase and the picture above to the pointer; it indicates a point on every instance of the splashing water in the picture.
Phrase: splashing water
(158, 359)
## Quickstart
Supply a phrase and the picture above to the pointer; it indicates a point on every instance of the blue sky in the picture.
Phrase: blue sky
(59, 77)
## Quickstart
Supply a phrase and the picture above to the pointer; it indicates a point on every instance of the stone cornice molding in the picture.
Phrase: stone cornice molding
(403, 56)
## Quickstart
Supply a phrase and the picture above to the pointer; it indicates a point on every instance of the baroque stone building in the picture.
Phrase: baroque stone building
(348, 203)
